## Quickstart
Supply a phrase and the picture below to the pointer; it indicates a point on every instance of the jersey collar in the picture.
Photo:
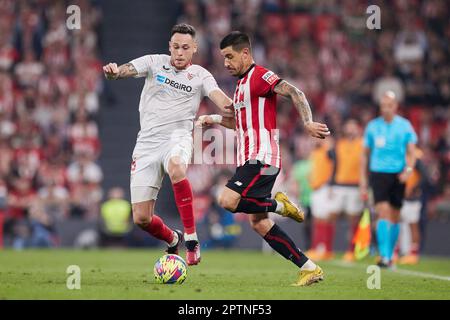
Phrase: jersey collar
(248, 70)
(176, 70)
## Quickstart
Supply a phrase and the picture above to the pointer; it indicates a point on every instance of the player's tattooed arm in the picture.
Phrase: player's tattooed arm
(285, 89)
(298, 98)
(113, 72)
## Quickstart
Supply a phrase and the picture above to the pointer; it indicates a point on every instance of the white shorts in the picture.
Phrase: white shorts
(320, 202)
(410, 212)
(150, 163)
(346, 199)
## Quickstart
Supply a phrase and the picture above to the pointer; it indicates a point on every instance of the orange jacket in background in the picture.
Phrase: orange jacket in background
(322, 166)
(348, 161)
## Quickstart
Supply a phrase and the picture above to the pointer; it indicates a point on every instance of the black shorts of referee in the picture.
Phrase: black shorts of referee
(386, 187)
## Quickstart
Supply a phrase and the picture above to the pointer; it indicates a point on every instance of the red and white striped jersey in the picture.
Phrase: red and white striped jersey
(255, 110)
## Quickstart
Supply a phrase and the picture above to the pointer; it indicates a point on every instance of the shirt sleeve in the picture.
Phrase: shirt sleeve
(143, 65)
(411, 136)
(368, 137)
(265, 82)
(209, 84)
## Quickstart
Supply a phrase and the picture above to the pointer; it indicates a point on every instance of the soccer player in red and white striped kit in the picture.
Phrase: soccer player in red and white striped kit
(258, 150)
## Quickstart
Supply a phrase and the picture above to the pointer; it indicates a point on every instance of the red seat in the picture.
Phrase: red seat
(323, 24)
(299, 24)
(275, 23)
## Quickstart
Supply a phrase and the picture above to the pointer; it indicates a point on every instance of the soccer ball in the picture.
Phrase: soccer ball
(169, 269)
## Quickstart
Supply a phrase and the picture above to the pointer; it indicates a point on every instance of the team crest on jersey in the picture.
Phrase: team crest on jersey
(190, 76)
(270, 77)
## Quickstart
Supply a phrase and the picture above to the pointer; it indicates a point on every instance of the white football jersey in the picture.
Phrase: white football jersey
(170, 98)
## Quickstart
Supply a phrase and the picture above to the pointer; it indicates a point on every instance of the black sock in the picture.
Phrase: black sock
(253, 205)
(282, 244)
(190, 244)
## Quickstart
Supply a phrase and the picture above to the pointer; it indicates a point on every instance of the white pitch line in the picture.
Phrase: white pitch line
(422, 274)
(401, 271)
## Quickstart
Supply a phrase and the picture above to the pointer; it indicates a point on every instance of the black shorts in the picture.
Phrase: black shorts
(387, 187)
(254, 180)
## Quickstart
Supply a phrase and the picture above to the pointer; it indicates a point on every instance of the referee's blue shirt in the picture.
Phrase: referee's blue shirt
(388, 143)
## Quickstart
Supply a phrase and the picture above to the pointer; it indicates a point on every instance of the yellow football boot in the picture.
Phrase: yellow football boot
(290, 210)
(306, 278)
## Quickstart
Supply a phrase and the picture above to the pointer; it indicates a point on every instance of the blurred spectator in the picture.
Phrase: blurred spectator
(20, 198)
(42, 228)
(116, 219)
(388, 81)
(223, 231)
(84, 169)
(84, 134)
(442, 205)
(54, 199)
(29, 70)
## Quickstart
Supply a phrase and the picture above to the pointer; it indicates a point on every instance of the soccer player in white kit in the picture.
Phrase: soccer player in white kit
(169, 103)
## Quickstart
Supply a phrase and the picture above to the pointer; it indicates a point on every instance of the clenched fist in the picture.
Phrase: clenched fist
(111, 71)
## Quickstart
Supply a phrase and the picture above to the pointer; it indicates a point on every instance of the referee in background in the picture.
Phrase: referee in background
(389, 144)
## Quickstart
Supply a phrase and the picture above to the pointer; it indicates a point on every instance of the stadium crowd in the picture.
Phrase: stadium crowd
(326, 50)
(50, 80)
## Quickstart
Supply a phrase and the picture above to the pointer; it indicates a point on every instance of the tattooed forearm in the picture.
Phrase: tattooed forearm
(302, 105)
(298, 98)
(127, 70)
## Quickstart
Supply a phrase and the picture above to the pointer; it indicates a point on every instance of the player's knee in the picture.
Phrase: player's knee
(176, 171)
(141, 217)
(226, 203)
(142, 221)
(254, 224)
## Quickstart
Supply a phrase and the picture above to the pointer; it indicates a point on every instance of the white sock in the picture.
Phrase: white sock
(280, 207)
(190, 236)
(309, 266)
(175, 239)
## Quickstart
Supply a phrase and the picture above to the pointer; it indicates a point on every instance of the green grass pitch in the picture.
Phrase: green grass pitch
(224, 275)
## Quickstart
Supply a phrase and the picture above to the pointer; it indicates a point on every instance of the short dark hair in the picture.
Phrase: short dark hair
(237, 40)
(183, 28)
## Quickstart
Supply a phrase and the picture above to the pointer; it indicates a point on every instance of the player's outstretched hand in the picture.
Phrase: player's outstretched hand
(111, 71)
(317, 130)
(204, 121)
